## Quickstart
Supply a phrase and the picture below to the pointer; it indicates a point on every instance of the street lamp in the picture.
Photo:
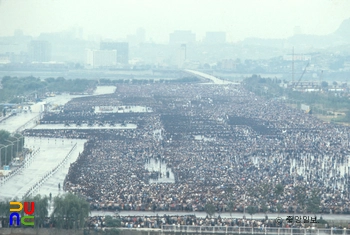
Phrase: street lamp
(18, 139)
(5, 151)
(3, 146)
(12, 143)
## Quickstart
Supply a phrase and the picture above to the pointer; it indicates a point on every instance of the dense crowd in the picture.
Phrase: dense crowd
(169, 221)
(191, 220)
(225, 146)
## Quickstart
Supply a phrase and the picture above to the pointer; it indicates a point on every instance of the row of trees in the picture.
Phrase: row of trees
(19, 86)
(16, 86)
(10, 146)
(70, 211)
(105, 81)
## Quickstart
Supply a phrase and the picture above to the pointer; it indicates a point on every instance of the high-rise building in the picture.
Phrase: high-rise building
(215, 37)
(101, 58)
(122, 49)
(138, 38)
(181, 56)
(182, 37)
(39, 51)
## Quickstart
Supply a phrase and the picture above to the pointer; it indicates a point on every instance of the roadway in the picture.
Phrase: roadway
(214, 79)
(52, 152)
(23, 120)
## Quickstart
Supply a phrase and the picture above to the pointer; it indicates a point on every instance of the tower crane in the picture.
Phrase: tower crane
(302, 75)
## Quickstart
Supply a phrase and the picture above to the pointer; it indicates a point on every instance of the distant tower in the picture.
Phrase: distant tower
(183, 51)
(101, 58)
(122, 49)
(293, 66)
(39, 51)
(181, 56)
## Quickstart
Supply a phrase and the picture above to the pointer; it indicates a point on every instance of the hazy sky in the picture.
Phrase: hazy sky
(117, 18)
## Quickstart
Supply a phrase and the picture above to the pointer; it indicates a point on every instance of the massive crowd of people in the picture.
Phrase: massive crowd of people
(191, 220)
(179, 222)
(226, 146)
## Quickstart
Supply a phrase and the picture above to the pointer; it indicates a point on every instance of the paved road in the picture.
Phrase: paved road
(52, 152)
(211, 77)
(13, 123)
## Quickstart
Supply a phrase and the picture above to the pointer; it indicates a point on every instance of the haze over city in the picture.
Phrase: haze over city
(116, 19)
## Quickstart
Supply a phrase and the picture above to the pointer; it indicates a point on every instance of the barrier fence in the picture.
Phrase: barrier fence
(35, 187)
(248, 230)
(27, 161)
(34, 120)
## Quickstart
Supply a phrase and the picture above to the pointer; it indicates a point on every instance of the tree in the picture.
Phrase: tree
(14, 145)
(252, 192)
(324, 84)
(314, 202)
(230, 207)
(206, 66)
(230, 196)
(4, 136)
(20, 139)
(264, 189)
(279, 189)
(5, 211)
(301, 196)
(70, 211)
(251, 210)
(264, 207)
(6, 147)
(209, 209)
(50, 80)
(41, 209)
(110, 222)
(279, 208)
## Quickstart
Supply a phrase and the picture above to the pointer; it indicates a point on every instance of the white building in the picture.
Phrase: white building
(101, 58)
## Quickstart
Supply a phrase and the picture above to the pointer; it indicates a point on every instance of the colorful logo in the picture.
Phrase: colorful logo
(29, 213)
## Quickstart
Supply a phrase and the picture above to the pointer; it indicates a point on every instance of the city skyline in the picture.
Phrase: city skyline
(239, 19)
